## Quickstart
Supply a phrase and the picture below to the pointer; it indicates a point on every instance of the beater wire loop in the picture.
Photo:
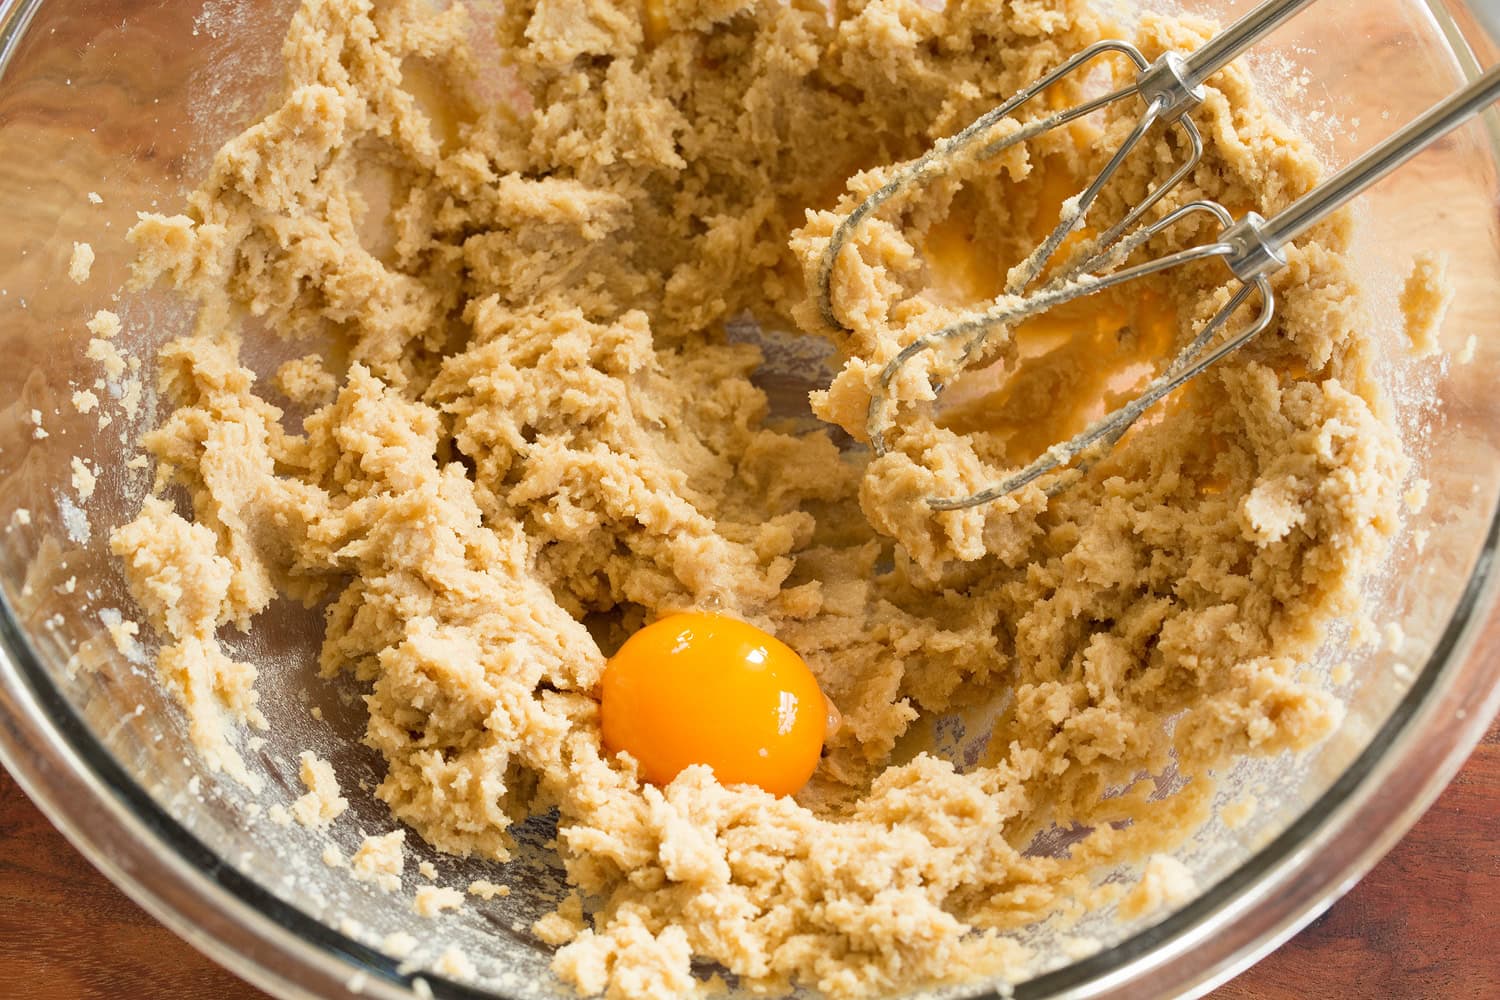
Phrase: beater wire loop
(944, 152)
(1188, 364)
(1250, 246)
(1012, 309)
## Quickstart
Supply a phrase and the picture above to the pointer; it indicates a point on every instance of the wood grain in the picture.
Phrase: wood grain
(66, 932)
(1423, 924)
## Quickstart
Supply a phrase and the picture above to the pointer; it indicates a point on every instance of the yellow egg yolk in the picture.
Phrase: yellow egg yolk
(706, 689)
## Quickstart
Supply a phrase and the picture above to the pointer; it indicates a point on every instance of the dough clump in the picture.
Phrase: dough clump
(322, 803)
(510, 251)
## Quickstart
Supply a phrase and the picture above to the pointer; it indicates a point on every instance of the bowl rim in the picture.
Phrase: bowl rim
(157, 862)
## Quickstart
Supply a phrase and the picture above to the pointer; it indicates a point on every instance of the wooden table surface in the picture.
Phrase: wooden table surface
(1422, 924)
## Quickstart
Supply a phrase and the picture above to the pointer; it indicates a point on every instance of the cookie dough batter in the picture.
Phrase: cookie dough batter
(505, 245)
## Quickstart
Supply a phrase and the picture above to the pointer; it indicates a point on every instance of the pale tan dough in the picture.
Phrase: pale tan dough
(381, 860)
(398, 944)
(305, 380)
(540, 421)
(123, 632)
(1165, 882)
(322, 803)
(431, 900)
(485, 889)
(84, 479)
(108, 356)
(104, 324)
(1425, 298)
(454, 964)
(81, 263)
(1237, 813)
(183, 584)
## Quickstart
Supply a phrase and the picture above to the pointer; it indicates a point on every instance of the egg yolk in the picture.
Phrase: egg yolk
(706, 689)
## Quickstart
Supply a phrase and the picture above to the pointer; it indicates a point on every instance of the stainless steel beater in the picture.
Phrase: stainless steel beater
(1250, 246)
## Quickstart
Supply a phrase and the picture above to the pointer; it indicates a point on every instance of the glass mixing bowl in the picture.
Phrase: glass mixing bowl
(129, 100)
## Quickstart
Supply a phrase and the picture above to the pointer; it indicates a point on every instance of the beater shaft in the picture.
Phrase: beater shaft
(1375, 164)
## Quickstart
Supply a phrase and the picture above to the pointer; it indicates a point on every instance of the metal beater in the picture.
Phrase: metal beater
(1250, 247)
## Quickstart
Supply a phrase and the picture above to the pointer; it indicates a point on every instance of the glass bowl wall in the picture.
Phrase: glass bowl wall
(129, 101)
